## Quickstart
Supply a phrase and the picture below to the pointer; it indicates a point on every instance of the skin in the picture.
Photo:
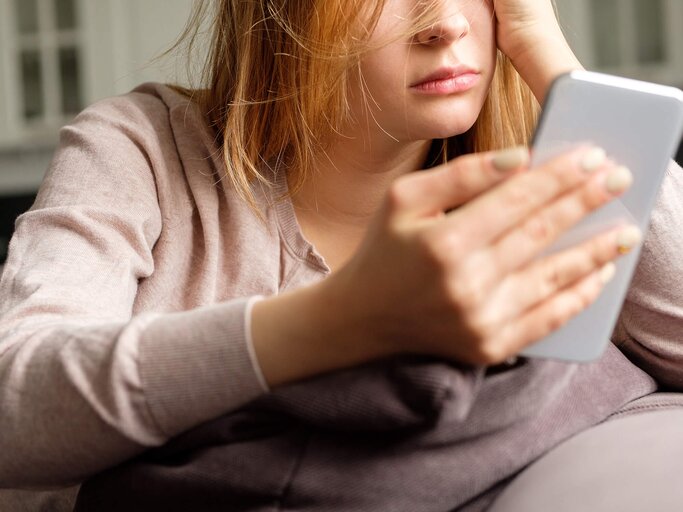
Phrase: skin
(407, 277)
(527, 32)
(465, 35)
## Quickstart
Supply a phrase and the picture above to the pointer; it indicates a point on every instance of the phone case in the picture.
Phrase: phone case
(639, 124)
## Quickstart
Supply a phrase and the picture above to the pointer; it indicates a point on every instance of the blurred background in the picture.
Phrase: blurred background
(57, 56)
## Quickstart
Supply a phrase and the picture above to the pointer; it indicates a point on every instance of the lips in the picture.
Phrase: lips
(447, 80)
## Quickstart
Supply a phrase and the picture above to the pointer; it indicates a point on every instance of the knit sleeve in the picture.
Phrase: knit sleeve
(650, 327)
(85, 383)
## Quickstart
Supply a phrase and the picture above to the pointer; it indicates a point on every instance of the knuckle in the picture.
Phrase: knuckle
(579, 302)
(539, 228)
(585, 259)
(465, 163)
(558, 317)
(553, 279)
(485, 327)
(515, 197)
(595, 255)
(490, 352)
(589, 293)
(565, 310)
(485, 266)
(397, 195)
(591, 198)
(576, 302)
(605, 249)
(467, 293)
(563, 170)
(441, 248)
(450, 243)
(454, 172)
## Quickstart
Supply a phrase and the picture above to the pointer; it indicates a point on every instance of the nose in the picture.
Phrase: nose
(445, 31)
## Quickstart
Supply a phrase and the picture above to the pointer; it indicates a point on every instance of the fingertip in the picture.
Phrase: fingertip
(627, 238)
(607, 272)
(510, 159)
(592, 159)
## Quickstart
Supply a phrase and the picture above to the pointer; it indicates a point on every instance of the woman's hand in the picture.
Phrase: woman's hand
(529, 34)
(466, 285)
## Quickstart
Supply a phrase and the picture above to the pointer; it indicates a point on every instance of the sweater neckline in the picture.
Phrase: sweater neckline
(277, 197)
(289, 227)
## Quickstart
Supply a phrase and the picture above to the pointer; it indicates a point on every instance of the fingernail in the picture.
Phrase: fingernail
(510, 159)
(593, 159)
(618, 180)
(607, 272)
(628, 238)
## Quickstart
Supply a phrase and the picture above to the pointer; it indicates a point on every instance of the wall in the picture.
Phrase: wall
(124, 36)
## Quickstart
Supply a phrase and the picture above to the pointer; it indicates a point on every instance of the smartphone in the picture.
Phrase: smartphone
(639, 124)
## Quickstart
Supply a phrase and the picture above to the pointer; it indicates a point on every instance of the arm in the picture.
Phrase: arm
(528, 32)
(650, 326)
(84, 384)
(452, 285)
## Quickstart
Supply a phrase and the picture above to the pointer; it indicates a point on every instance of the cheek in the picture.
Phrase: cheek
(483, 40)
(385, 71)
(482, 22)
(380, 89)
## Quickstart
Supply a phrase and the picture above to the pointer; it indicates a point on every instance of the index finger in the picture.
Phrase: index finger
(509, 204)
(442, 188)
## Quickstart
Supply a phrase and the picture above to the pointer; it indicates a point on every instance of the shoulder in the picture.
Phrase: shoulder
(119, 145)
(149, 124)
(148, 107)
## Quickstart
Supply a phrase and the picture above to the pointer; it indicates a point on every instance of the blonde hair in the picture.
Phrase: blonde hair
(274, 86)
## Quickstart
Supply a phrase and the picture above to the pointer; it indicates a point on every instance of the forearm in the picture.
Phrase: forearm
(541, 63)
(79, 397)
(529, 33)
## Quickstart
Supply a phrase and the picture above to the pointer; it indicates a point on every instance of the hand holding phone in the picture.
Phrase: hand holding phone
(639, 124)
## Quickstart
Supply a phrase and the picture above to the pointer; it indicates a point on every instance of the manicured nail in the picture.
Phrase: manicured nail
(618, 180)
(593, 160)
(607, 272)
(628, 238)
(510, 159)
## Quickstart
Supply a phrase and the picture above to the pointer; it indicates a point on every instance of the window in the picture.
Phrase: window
(57, 56)
(637, 38)
(48, 57)
(628, 32)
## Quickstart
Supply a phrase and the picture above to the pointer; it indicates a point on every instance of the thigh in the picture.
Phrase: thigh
(630, 463)
(58, 500)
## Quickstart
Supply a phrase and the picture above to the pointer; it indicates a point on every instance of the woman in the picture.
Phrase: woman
(190, 251)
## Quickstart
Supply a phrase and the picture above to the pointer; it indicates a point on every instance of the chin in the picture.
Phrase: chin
(442, 130)
(442, 125)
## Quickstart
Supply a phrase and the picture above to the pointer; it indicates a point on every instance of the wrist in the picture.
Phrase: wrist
(541, 62)
(309, 331)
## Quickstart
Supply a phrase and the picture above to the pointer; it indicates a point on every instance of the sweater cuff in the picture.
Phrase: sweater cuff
(250, 341)
(197, 365)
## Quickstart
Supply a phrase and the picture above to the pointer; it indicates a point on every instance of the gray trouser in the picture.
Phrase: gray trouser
(631, 463)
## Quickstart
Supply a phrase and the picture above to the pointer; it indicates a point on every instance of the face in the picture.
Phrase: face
(431, 85)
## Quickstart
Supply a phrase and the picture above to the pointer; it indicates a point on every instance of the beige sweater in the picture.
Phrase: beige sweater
(125, 298)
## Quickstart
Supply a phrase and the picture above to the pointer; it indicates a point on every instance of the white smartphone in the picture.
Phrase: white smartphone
(639, 124)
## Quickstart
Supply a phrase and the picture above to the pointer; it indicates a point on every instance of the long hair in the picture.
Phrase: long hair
(274, 85)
